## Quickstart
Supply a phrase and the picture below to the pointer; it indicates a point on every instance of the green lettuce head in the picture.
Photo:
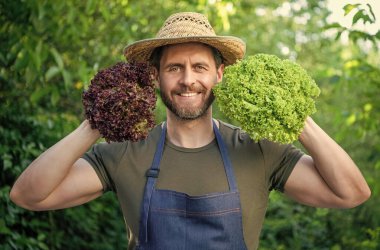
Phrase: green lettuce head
(268, 96)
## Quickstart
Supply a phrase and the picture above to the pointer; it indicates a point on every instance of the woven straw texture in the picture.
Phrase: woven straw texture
(182, 28)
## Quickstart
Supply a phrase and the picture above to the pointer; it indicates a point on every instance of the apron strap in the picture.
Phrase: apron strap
(151, 175)
(226, 159)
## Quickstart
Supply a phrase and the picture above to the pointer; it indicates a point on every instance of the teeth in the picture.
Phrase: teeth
(188, 94)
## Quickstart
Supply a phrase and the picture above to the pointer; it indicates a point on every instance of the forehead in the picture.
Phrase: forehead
(184, 51)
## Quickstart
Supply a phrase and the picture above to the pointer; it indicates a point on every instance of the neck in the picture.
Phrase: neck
(190, 133)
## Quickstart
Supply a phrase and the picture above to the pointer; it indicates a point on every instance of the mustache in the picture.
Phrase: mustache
(185, 89)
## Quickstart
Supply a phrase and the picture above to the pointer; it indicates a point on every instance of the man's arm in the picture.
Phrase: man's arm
(59, 178)
(328, 177)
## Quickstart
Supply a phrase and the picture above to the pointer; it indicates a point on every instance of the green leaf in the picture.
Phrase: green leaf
(356, 35)
(378, 35)
(338, 35)
(357, 16)
(52, 71)
(67, 78)
(22, 60)
(351, 120)
(361, 15)
(2, 59)
(333, 26)
(41, 10)
(36, 96)
(55, 96)
(30, 75)
(349, 7)
(106, 13)
(3, 228)
(371, 11)
(7, 161)
(57, 57)
(90, 7)
(37, 55)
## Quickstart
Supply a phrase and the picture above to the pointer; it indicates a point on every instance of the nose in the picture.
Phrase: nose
(188, 77)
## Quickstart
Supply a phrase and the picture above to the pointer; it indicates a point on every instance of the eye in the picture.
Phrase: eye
(174, 68)
(200, 68)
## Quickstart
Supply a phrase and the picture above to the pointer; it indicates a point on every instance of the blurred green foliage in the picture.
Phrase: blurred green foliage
(49, 51)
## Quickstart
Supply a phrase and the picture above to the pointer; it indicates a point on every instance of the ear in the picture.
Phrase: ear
(219, 73)
(155, 77)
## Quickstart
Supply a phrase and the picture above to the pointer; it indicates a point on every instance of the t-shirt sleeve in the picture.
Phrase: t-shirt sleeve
(280, 160)
(105, 159)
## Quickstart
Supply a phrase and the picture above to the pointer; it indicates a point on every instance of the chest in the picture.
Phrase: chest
(192, 172)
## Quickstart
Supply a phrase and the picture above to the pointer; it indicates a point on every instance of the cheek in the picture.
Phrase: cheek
(166, 81)
(212, 81)
(165, 86)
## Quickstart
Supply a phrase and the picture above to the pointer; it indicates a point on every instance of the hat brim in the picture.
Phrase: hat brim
(231, 48)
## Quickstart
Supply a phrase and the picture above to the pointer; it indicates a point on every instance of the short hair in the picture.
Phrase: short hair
(156, 55)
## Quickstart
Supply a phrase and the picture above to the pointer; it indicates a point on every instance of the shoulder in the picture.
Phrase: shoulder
(237, 140)
(229, 130)
(116, 150)
(238, 136)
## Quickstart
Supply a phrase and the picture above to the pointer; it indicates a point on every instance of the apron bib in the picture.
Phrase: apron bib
(171, 220)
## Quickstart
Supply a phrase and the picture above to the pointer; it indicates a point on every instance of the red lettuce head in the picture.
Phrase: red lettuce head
(120, 102)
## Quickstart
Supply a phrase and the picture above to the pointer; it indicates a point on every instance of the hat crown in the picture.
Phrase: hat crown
(186, 24)
(183, 28)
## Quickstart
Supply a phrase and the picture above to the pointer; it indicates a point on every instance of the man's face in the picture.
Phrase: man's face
(186, 76)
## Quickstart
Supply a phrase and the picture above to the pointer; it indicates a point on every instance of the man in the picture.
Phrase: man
(195, 182)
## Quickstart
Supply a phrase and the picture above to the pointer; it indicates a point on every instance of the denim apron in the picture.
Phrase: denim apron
(171, 220)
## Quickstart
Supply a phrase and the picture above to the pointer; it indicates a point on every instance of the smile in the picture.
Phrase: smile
(188, 94)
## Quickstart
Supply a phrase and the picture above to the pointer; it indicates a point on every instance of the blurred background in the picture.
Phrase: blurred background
(50, 50)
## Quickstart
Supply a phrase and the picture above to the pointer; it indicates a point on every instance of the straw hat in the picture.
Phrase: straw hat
(182, 28)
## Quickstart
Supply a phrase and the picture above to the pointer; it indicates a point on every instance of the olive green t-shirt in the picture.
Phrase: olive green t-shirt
(258, 167)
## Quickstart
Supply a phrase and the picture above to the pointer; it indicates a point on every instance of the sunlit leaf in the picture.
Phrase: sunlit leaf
(349, 7)
(351, 119)
(351, 64)
(333, 25)
(368, 107)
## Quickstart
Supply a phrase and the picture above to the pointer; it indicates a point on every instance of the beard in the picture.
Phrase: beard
(188, 112)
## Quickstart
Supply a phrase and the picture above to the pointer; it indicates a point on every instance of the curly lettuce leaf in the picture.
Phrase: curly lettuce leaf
(268, 96)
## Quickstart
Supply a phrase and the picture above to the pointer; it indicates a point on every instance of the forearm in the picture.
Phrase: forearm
(46, 172)
(333, 164)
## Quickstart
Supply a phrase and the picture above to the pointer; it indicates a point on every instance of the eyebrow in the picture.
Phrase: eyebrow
(174, 64)
(202, 63)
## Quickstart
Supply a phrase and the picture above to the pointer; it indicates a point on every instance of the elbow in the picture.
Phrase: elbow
(17, 198)
(364, 195)
(359, 198)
